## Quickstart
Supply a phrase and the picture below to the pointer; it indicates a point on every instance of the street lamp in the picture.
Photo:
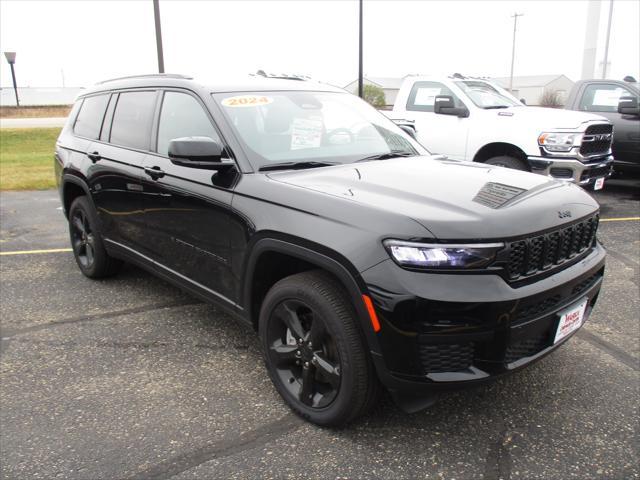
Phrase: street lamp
(11, 58)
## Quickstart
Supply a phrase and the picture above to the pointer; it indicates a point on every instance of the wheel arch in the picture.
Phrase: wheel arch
(71, 188)
(496, 149)
(303, 255)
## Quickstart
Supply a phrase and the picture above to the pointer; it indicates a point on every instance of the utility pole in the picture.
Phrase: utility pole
(513, 49)
(360, 78)
(606, 46)
(11, 58)
(156, 14)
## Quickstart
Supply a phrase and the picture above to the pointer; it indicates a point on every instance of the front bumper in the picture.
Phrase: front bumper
(442, 331)
(573, 170)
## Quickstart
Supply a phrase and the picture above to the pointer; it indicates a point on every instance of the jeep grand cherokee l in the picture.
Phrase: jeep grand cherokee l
(362, 261)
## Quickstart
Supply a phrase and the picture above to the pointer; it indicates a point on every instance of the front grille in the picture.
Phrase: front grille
(542, 252)
(440, 358)
(592, 144)
(525, 348)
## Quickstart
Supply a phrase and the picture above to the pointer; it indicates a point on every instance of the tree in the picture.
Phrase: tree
(550, 98)
(374, 95)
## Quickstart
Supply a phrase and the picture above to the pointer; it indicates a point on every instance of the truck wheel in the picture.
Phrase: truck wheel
(314, 351)
(507, 162)
(88, 249)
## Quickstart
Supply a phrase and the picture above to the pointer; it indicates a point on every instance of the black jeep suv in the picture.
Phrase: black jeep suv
(361, 260)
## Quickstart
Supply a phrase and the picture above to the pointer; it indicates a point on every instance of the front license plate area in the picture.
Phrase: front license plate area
(599, 184)
(571, 319)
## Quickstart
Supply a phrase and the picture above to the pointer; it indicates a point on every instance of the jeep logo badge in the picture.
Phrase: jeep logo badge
(564, 213)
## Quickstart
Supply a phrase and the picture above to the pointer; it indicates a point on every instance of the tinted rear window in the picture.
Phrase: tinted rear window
(132, 119)
(89, 119)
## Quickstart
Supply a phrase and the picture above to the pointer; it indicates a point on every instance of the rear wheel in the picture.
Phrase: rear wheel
(88, 249)
(507, 162)
(314, 351)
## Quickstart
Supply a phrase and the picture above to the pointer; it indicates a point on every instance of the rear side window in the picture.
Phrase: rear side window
(132, 119)
(89, 120)
(423, 96)
(182, 116)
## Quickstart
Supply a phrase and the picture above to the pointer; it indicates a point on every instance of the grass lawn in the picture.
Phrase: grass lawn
(26, 158)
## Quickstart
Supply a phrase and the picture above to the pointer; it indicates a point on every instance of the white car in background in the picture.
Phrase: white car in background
(475, 120)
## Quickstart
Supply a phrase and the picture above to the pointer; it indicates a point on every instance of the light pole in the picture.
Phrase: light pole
(513, 49)
(360, 79)
(156, 15)
(606, 46)
(11, 58)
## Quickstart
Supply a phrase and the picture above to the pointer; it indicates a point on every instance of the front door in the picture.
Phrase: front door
(186, 211)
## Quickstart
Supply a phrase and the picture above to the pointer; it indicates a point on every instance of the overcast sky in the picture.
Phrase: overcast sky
(94, 40)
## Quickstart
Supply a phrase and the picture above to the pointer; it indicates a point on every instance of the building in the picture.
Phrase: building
(39, 96)
(532, 87)
(389, 85)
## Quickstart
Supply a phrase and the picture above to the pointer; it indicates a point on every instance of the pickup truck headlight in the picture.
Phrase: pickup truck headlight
(559, 142)
(440, 255)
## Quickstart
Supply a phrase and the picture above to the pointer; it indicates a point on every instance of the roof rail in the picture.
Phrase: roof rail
(149, 75)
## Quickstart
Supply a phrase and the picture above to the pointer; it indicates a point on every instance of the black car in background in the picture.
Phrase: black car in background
(362, 261)
(618, 101)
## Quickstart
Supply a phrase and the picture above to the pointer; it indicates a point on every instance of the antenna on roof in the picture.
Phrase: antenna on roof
(630, 79)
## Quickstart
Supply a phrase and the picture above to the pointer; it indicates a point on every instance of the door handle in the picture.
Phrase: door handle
(154, 172)
(94, 156)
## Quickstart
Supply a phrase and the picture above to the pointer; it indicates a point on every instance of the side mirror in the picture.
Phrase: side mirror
(444, 105)
(628, 106)
(198, 152)
(409, 131)
(523, 101)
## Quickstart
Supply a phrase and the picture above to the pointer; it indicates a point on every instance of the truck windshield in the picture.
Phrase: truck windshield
(486, 96)
(312, 128)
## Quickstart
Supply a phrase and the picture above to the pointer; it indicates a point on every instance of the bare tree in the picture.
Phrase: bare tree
(550, 98)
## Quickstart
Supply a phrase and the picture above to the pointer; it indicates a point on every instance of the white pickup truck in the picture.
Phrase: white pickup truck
(473, 119)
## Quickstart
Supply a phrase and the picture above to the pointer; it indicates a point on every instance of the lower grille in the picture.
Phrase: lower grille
(595, 172)
(525, 348)
(561, 172)
(446, 357)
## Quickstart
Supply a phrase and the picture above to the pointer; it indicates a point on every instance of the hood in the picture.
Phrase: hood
(452, 200)
(549, 118)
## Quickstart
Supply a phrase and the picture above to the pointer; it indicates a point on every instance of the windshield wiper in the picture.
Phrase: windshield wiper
(294, 165)
(491, 107)
(385, 156)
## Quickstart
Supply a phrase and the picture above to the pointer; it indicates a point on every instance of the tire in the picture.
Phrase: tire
(86, 242)
(507, 162)
(322, 313)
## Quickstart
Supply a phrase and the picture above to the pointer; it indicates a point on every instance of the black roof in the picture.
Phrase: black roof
(247, 83)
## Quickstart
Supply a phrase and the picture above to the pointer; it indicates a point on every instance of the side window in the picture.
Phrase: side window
(132, 119)
(602, 98)
(182, 116)
(89, 120)
(423, 95)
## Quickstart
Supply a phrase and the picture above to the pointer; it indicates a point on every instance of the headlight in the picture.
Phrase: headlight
(559, 142)
(435, 255)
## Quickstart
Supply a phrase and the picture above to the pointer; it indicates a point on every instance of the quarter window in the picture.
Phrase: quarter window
(182, 116)
(89, 120)
(132, 119)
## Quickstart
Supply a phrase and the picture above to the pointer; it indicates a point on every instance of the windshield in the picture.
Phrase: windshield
(487, 96)
(318, 127)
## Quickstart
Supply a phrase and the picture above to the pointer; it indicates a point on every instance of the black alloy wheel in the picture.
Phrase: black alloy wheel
(82, 238)
(304, 353)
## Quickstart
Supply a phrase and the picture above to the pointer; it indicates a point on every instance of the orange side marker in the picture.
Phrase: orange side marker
(372, 313)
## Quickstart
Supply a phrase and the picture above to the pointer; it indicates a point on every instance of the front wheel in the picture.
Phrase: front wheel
(314, 350)
(507, 162)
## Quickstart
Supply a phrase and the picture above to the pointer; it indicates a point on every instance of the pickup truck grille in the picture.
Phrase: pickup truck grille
(550, 250)
(597, 140)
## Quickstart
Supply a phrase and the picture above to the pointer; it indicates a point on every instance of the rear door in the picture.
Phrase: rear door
(187, 210)
(118, 155)
(445, 134)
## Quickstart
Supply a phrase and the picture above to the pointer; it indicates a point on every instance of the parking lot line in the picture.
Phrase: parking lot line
(620, 219)
(31, 252)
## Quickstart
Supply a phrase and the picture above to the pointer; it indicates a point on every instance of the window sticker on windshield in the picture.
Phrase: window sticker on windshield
(494, 195)
(306, 133)
(246, 101)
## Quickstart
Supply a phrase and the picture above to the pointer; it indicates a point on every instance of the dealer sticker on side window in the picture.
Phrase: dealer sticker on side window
(246, 101)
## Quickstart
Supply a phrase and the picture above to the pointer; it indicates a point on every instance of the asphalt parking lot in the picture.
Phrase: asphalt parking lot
(131, 378)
